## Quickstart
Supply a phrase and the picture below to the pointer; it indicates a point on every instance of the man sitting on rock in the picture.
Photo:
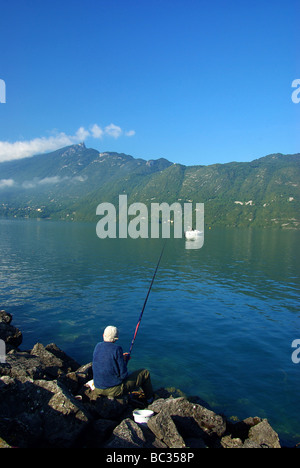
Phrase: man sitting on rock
(110, 373)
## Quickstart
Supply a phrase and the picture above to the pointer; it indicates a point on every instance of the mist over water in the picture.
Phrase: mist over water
(219, 322)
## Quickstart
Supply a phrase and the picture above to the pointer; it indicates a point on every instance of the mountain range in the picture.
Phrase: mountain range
(70, 183)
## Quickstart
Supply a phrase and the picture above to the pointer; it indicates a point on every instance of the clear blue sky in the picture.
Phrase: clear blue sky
(194, 81)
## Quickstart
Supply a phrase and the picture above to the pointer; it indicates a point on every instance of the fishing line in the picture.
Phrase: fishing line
(141, 315)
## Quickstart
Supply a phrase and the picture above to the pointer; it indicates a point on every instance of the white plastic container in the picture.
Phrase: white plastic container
(142, 416)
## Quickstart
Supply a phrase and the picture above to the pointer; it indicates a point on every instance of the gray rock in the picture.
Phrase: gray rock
(39, 413)
(76, 381)
(191, 419)
(22, 366)
(128, 434)
(52, 365)
(241, 429)
(85, 373)
(39, 363)
(164, 428)
(68, 364)
(263, 435)
(253, 433)
(229, 442)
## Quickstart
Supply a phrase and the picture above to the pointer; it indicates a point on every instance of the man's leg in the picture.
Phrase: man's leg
(139, 379)
(113, 392)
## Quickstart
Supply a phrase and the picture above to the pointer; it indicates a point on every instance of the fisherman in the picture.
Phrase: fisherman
(110, 372)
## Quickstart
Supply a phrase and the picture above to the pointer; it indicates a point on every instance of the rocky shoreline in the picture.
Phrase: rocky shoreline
(45, 402)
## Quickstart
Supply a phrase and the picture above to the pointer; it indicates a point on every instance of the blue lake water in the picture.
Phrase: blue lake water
(219, 322)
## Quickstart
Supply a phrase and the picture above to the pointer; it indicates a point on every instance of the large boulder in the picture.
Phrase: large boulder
(52, 364)
(68, 363)
(164, 428)
(191, 420)
(41, 362)
(40, 413)
(127, 434)
(76, 381)
(176, 423)
(22, 366)
(263, 436)
(251, 433)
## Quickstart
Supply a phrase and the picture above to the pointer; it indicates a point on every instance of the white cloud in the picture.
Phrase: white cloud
(110, 130)
(29, 184)
(97, 131)
(81, 134)
(80, 178)
(6, 183)
(24, 149)
(51, 180)
(113, 130)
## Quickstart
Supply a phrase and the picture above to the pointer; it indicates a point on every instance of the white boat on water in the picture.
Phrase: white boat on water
(193, 234)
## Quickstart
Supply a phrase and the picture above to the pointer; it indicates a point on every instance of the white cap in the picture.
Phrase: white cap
(111, 334)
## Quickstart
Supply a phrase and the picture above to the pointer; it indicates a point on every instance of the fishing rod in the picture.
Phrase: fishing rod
(141, 315)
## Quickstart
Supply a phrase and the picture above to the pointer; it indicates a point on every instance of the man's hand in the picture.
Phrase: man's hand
(126, 357)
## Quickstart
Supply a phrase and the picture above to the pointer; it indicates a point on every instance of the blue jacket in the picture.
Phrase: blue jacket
(109, 367)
